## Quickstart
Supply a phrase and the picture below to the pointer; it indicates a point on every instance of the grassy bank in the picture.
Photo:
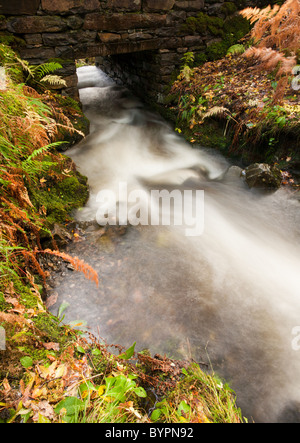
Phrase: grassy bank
(50, 372)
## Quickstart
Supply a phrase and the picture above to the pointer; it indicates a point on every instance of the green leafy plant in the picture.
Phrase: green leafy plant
(43, 73)
(128, 353)
(236, 49)
(34, 165)
(111, 401)
(187, 64)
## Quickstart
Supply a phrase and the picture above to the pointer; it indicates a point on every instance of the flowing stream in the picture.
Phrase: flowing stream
(229, 297)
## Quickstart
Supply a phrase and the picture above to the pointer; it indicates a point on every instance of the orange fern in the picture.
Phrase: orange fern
(276, 34)
(271, 59)
(29, 256)
(79, 265)
(277, 27)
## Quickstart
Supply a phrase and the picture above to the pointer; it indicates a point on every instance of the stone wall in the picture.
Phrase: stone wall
(142, 38)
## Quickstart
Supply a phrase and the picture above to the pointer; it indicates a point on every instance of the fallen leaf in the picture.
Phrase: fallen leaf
(6, 386)
(51, 300)
(44, 409)
(51, 345)
(60, 371)
(47, 373)
(38, 392)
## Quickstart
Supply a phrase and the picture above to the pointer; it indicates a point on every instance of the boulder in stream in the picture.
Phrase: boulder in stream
(263, 176)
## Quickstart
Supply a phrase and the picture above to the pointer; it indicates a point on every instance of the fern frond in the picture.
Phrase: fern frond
(26, 66)
(277, 27)
(185, 73)
(216, 110)
(54, 80)
(79, 265)
(271, 59)
(34, 167)
(46, 69)
(255, 14)
(42, 150)
(236, 49)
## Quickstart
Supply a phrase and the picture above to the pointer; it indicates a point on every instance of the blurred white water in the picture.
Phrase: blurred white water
(230, 296)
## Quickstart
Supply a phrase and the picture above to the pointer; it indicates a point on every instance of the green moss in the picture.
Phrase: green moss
(203, 23)
(37, 355)
(235, 28)
(49, 325)
(27, 297)
(216, 50)
(59, 198)
(9, 39)
(230, 31)
(228, 8)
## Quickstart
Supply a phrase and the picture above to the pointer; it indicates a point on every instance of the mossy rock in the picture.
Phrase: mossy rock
(228, 31)
(236, 27)
(228, 8)
(59, 198)
(203, 24)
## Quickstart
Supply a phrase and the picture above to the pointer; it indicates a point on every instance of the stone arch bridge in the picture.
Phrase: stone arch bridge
(140, 42)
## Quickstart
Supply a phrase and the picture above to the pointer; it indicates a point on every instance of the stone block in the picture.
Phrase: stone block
(71, 80)
(158, 5)
(68, 38)
(190, 5)
(18, 7)
(34, 39)
(108, 37)
(122, 22)
(176, 17)
(74, 21)
(70, 6)
(192, 40)
(65, 52)
(36, 24)
(135, 36)
(124, 5)
(37, 55)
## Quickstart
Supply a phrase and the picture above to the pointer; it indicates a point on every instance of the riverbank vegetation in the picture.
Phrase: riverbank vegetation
(51, 372)
(246, 104)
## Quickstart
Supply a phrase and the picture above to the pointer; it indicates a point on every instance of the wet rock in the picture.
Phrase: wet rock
(263, 176)
(61, 235)
(233, 174)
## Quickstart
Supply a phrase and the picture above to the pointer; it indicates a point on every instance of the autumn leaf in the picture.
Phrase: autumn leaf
(47, 373)
(51, 345)
(38, 392)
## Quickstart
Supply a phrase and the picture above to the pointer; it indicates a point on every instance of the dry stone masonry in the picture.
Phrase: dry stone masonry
(140, 42)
